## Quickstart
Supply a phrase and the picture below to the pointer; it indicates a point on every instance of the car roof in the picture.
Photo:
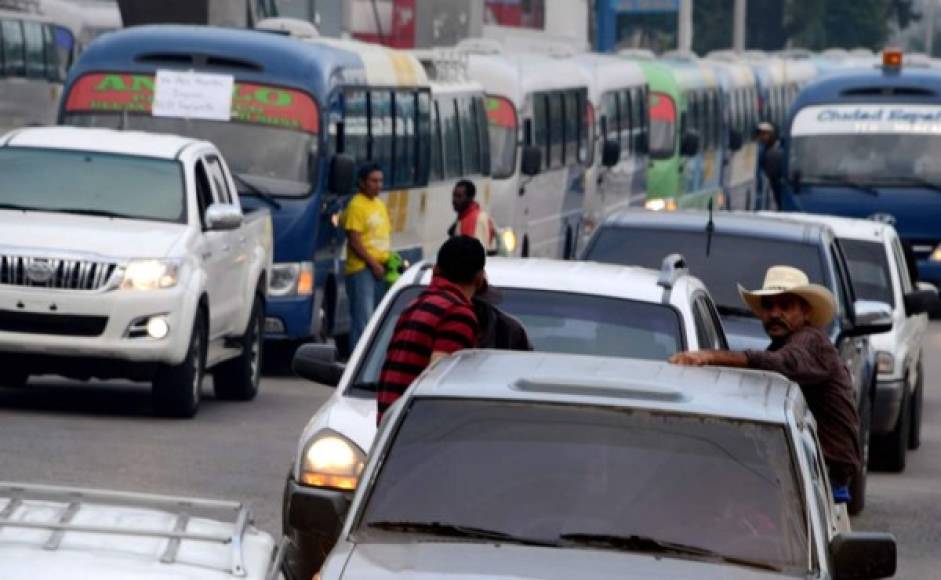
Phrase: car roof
(614, 382)
(745, 224)
(100, 140)
(625, 282)
(844, 227)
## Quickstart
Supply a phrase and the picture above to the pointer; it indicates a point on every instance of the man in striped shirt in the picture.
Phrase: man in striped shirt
(438, 322)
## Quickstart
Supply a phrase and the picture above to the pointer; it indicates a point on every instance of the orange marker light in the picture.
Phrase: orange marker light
(892, 58)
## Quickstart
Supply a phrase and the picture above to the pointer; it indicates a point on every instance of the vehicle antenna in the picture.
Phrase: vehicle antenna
(710, 228)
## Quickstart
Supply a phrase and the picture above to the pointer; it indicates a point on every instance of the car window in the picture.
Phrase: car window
(220, 185)
(707, 330)
(203, 190)
(905, 276)
(869, 270)
(845, 296)
(554, 472)
(562, 322)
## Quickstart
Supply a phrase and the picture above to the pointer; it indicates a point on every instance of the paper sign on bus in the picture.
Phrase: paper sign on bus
(193, 95)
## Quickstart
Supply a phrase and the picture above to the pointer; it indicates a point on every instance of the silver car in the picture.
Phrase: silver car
(548, 466)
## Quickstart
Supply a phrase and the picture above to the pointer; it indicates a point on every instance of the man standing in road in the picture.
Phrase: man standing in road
(769, 158)
(471, 219)
(440, 321)
(793, 312)
(368, 234)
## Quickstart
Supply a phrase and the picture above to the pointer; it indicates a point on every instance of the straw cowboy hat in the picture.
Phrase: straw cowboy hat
(787, 280)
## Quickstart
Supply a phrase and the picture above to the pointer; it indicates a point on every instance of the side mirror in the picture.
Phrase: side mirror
(340, 178)
(774, 164)
(690, 144)
(928, 286)
(318, 363)
(736, 141)
(921, 301)
(871, 318)
(861, 555)
(319, 511)
(531, 161)
(610, 153)
(223, 216)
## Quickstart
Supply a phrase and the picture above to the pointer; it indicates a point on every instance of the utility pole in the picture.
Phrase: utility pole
(738, 35)
(929, 8)
(684, 37)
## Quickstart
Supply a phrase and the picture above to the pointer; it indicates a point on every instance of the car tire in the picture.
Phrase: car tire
(177, 389)
(13, 376)
(239, 379)
(858, 483)
(917, 406)
(889, 451)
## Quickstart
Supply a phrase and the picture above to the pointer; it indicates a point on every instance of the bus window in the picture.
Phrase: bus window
(540, 137)
(355, 131)
(662, 126)
(502, 124)
(637, 108)
(586, 135)
(451, 129)
(716, 117)
(482, 135)
(437, 167)
(35, 59)
(52, 54)
(573, 116)
(380, 111)
(64, 46)
(611, 112)
(405, 167)
(644, 119)
(556, 129)
(469, 136)
(14, 58)
(627, 124)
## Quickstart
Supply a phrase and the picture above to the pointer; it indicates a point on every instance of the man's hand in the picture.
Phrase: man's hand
(377, 269)
(692, 359)
(719, 358)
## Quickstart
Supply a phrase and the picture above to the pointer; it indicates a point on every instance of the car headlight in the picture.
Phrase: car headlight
(885, 362)
(291, 279)
(509, 240)
(936, 254)
(150, 275)
(661, 204)
(333, 461)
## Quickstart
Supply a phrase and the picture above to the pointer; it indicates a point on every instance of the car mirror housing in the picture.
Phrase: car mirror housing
(610, 153)
(318, 363)
(223, 216)
(921, 301)
(871, 318)
(862, 555)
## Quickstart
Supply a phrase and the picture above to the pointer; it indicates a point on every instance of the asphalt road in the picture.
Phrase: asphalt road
(102, 435)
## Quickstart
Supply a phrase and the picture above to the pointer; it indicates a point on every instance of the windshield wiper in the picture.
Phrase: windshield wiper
(843, 181)
(919, 181)
(648, 545)
(735, 311)
(253, 189)
(457, 531)
(94, 212)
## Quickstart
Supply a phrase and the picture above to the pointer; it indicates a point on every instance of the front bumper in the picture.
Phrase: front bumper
(43, 322)
(885, 413)
(312, 529)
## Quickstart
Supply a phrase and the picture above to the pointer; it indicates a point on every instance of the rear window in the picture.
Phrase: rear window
(869, 270)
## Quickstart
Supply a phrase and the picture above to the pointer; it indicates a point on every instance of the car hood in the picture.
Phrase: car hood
(48, 232)
(435, 560)
(745, 333)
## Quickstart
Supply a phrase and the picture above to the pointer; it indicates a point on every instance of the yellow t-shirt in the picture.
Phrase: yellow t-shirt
(370, 218)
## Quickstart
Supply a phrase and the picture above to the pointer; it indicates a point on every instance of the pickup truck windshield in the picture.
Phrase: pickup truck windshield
(92, 183)
(560, 322)
(556, 473)
(732, 259)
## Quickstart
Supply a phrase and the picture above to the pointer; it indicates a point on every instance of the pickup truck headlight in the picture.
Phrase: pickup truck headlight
(331, 460)
(291, 279)
(885, 363)
(508, 237)
(150, 275)
(661, 204)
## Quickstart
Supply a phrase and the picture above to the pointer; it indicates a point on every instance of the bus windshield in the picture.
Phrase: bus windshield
(501, 115)
(272, 134)
(662, 126)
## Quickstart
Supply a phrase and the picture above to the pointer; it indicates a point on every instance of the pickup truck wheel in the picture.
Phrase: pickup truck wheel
(889, 451)
(238, 379)
(177, 389)
(13, 377)
(858, 483)
(918, 404)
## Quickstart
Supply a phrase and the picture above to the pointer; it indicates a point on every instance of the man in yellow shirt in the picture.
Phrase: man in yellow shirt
(368, 234)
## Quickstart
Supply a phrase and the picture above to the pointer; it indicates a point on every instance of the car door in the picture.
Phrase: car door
(215, 253)
(234, 250)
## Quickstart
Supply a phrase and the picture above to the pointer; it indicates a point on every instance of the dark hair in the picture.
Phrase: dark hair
(469, 188)
(460, 259)
(365, 169)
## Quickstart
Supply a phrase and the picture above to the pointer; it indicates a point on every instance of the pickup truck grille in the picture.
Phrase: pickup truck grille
(54, 273)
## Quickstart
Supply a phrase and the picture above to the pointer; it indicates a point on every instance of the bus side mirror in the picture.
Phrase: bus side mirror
(340, 179)
(640, 144)
(690, 144)
(531, 162)
(610, 153)
(735, 140)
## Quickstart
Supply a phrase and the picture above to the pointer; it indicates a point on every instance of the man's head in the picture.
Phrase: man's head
(464, 193)
(461, 261)
(767, 134)
(784, 314)
(787, 302)
(370, 179)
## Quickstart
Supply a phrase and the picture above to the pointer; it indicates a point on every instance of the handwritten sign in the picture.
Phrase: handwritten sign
(193, 95)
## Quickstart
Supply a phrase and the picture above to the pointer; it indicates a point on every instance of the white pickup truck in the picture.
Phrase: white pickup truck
(126, 255)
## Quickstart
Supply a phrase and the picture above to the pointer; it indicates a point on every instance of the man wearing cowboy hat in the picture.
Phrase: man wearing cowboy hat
(793, 312)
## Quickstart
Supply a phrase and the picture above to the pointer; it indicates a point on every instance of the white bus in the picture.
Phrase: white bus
(540, 146)
(617, 177)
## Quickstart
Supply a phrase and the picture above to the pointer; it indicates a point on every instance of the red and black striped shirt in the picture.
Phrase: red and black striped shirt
(440, 319)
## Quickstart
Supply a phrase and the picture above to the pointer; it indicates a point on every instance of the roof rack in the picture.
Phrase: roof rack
(672, 268)
(74, 498)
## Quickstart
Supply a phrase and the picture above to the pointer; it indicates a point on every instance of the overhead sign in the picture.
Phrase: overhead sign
(867, 119)
(193, 95)
(646, 6)
(250, 103)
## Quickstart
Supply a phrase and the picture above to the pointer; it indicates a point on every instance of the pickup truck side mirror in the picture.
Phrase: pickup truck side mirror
(610, 153)
(223, 216)
(318, 363)
(859, 555)
(871, 318)
(921, 301)
(689, 145)
(736, 141)
(340, 178)
(531, 161)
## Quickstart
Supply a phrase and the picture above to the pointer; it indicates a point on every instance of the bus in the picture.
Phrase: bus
(617, 177)
(34, 55)
(685, 134)
(302, 116)
(540, 146)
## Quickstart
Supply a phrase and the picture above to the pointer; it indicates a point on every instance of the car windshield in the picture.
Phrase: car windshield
(662, 126)
(561, 322)
(92, 183)
(551, 473)
(732, 259)
(869, 270)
